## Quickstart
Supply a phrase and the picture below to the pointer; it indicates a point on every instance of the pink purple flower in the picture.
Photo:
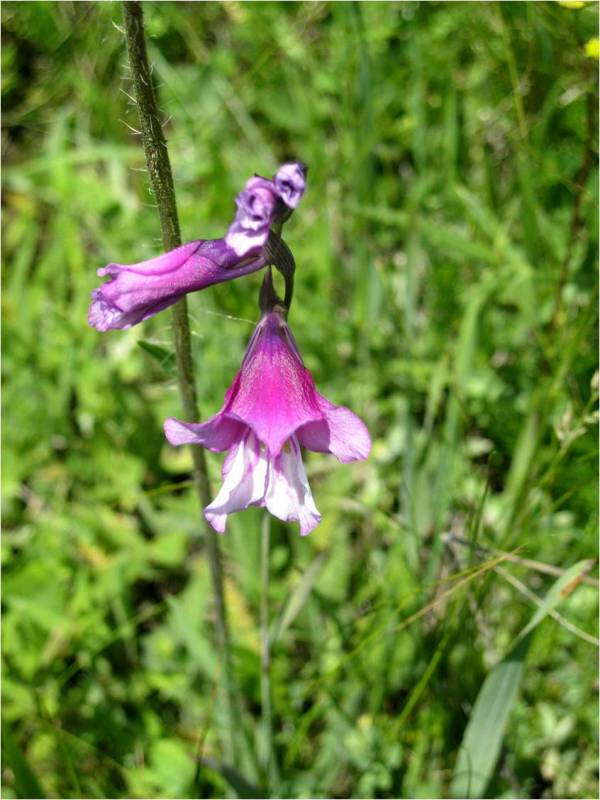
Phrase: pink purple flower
(271, 409)
(135, 292)
(138, 291)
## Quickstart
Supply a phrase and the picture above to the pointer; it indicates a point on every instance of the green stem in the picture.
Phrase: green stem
(161, 182)
(265, 656)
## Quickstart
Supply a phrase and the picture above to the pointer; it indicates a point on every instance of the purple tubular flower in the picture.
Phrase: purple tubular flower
(138, 291)
(271, 409)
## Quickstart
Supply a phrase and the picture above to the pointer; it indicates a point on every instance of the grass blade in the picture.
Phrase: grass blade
(165, 357)
(562, 588)
(298, 598)
(26, 783)
(235, 779)
(483, 736)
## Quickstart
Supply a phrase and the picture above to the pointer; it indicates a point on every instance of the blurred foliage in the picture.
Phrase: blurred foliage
(446, 291)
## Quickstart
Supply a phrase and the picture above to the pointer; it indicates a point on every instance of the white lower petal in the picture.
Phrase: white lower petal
(242, 240)
(288, 495)
(244, 480)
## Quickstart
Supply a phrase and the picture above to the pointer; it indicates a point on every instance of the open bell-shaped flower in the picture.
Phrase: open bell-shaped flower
(271, 409)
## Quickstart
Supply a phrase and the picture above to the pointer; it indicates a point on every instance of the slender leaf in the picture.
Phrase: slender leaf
(483, 736)
(242, 786)
(166, 358)
(298, 597)
(26, 782)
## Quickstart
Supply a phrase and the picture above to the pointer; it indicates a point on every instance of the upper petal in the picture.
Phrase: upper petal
(275, 393)
(159, 265)
(340, 432)
(131, 289)
(136, 292)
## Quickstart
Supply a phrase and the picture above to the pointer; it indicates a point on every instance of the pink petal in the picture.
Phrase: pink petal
(341, 432)
(159, 265)
(217, 434)
(273, 393)
(139, 291)
(104, 315)
(132, 288)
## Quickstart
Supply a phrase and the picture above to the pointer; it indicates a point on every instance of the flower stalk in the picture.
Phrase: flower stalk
(161, 182)
(279, 254)
(269, 763)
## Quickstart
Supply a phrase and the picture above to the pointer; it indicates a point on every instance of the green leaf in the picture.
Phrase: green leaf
(166, 358)
(562, 588)
(235, 779)
(298, 597)
(26, 783)
(483, 736)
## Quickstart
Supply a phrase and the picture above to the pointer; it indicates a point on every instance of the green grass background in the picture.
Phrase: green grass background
(446, 291)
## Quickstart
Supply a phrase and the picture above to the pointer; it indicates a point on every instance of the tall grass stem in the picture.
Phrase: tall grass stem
(265, 655)
(161, 182)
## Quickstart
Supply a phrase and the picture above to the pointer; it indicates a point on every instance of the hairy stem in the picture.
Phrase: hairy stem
(161, 182)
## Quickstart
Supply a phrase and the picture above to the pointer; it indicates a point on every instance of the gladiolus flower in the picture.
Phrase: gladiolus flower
(138, 291)
(270, 410)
